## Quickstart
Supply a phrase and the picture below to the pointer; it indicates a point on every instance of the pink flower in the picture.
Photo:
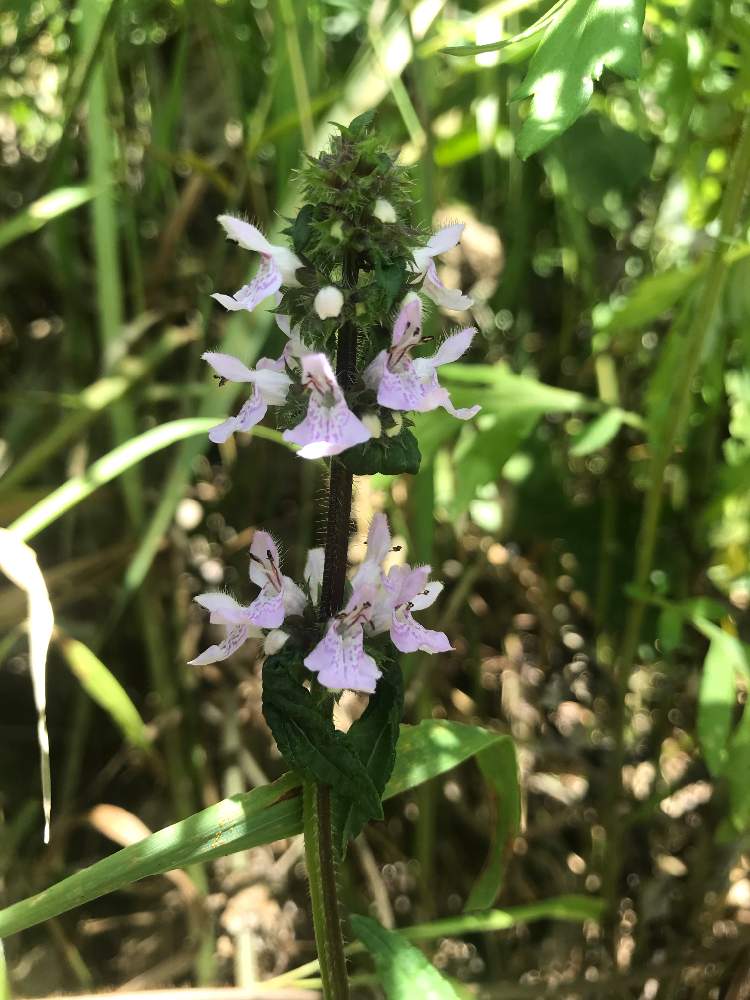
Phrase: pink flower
(330, 427)
(406, 383)
(339, 659)
(224, 610)
(269, 389)
(370, 574)
(410, 591)
(279, 595)
(424, 267)
(277, 267)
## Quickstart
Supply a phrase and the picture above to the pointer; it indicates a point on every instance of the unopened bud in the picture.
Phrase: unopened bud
(395, 429)
(328, 302)
(274, 641)
(384, 211)
(372, 423)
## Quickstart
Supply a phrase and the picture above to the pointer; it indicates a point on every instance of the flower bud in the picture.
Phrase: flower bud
(274, 641)
(384, 211)
(395, 428)
(328, 302)
(372, 423)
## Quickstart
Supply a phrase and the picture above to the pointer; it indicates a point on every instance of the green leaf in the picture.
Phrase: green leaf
(598, 433)
(499, 766)
(402, 969)
(373, 737)
(301, 229)
(388, 456)
(588, 37)
(390, 278)
(308, 741)
(649, 299)
(105, 690)
(39, 213)
(718, 694)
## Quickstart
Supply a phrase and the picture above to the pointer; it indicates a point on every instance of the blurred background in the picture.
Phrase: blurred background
(126, 127)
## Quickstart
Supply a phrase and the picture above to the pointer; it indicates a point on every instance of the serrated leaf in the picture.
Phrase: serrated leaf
(373, 738)
(402, 969)
(589, 36)
(390, 279)
(301, 229)
(308, 740)
(384, 455)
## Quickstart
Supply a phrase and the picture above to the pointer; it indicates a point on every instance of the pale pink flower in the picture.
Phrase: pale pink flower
(269, 388)
(313, 572)
(279, 595)
(330, 427)
(277, 267)
(370, 574)
(406, 383)
(424, 268)
(339, 659)
(236, 618)
(410, 591)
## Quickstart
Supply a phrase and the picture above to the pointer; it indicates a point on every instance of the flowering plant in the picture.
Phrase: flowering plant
(348, 296)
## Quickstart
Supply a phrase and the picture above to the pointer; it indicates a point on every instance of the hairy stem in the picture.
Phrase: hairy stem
(321, 862)
(679, 407)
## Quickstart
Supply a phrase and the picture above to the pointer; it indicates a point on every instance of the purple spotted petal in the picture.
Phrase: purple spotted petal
(235, 637)
(267, 281)
(267, 610)
(341, 662)
(408, 635)
(401, 390)
(327, 430)
(251, 413)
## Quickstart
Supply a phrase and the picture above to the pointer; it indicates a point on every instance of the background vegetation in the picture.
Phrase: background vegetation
(592, 527)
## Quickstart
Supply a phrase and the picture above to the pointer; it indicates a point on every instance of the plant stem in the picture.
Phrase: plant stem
(319, 851)
(696, 338)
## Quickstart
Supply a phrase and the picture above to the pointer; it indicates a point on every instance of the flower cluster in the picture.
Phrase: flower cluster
(378, 602)
(399, 381)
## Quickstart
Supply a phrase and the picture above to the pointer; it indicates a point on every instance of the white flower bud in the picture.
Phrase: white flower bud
(274, 641)
(328, 302)
(384, 211)
(372, 423)
(398, 423)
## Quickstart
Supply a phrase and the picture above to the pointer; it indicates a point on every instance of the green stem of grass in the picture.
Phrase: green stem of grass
(679, 407)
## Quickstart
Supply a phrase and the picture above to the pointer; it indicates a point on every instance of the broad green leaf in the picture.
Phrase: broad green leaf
(111, 465)
(402, 969)
(104, 688)
(516, 402)
(42, 211)
(736, 771)
(499, 766)
(598, 433)
(373, 737)
(589, 36)
(308, 741)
